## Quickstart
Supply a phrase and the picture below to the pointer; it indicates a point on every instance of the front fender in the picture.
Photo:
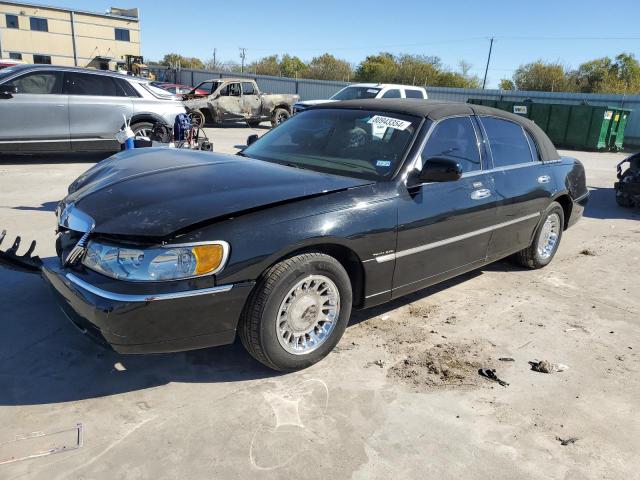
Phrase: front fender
(260, 239)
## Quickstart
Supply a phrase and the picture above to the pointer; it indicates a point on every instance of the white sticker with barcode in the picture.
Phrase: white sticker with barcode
(395, 123)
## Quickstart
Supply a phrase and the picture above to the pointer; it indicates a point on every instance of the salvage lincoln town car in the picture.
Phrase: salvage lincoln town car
(349, 204)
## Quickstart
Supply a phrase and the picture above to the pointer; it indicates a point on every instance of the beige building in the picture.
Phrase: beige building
(60, 36)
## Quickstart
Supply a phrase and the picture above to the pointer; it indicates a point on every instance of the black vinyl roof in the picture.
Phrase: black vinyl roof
(436, 110)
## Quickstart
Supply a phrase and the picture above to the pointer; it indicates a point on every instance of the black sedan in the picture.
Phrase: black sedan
(346, 205)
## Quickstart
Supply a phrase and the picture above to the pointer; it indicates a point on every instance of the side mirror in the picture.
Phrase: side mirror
(8, 89)
(440, 169)
(252, 139)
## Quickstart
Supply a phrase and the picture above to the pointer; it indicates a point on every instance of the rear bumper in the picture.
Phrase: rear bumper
(133, 323)
(577, 210)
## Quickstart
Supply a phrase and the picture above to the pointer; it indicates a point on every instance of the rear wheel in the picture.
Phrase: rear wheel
(142, 130)
(297, 312)
(279, 115)
(197, 118)
(546, 239)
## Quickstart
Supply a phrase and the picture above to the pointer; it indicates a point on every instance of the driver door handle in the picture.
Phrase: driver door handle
(479, 194)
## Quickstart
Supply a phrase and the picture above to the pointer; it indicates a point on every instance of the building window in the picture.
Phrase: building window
(46, 59)
(12, 21)
(15, 56)
(122, 34)
(39, 24)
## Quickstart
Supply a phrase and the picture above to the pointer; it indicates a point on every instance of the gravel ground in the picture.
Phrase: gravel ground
(400, 397)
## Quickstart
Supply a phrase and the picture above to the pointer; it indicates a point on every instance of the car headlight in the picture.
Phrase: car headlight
(169, 262)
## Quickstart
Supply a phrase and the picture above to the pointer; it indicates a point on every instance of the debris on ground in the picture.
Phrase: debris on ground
(567, 441)
(343, 348)
(507, 359)
(490, 373)
(588, 252)
(377, 363)
(442, 366)
(544, 366)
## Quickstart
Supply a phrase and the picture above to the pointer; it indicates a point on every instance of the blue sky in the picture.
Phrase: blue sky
(352, 29)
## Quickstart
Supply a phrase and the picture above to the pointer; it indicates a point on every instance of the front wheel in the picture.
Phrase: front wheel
(279, 115)
(297, 312)
(546, 239)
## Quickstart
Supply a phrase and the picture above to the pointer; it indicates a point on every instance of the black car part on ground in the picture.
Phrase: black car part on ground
(26, 262)
(628, 185)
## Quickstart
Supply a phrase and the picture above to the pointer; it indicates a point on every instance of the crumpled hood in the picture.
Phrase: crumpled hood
(158, 191)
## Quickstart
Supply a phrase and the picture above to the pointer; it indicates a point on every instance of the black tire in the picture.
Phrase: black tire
(531, 257)
(209, 119)
(623, 199)
(278, 116)
(197, 118)
(258, 331)
(138, 127)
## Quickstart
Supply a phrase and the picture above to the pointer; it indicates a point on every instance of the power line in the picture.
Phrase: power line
(458, 40)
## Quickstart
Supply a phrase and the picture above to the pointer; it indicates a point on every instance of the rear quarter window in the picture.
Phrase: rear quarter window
(410, 93)
(509, 145)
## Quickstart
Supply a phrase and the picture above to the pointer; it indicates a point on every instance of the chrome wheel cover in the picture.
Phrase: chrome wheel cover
(308, 314)
(549, 236)
(142, 134)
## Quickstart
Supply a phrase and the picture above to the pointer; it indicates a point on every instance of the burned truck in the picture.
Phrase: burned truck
(239, 99)
(627, 187)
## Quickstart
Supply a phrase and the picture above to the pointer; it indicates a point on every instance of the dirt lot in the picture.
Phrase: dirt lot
(399, 398)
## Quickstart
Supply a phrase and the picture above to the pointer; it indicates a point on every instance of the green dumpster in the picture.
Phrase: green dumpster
(586, 127)
(619, 123)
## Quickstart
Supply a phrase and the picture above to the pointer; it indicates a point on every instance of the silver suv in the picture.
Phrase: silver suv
(46, 108)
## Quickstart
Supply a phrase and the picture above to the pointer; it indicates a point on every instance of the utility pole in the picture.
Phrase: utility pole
(486, 70)
(215, 65)
(243, 55)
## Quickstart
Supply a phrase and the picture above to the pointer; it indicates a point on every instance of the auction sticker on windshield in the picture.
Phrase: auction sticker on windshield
(395, 123)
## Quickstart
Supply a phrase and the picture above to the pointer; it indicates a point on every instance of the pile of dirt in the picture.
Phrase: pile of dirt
(443, 366)
(413, 325)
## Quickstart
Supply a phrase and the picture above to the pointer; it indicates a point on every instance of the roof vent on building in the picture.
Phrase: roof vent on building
(124, 12)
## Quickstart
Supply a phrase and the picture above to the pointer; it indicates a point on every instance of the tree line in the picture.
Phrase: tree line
(383, 67)
(602, 75)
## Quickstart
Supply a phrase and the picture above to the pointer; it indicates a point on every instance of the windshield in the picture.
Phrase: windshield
(157, 91)
(354, 143)
(209, 86)
(356, 93)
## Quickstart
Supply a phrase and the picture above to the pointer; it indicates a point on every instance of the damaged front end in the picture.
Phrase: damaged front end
(27, 262)
(627, 187)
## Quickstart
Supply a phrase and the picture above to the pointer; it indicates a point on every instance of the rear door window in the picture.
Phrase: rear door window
(508, 143)
(393, 93)
(87, 84)
(534, 146)
(454, 138)
(39, 83)
(248, 89)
